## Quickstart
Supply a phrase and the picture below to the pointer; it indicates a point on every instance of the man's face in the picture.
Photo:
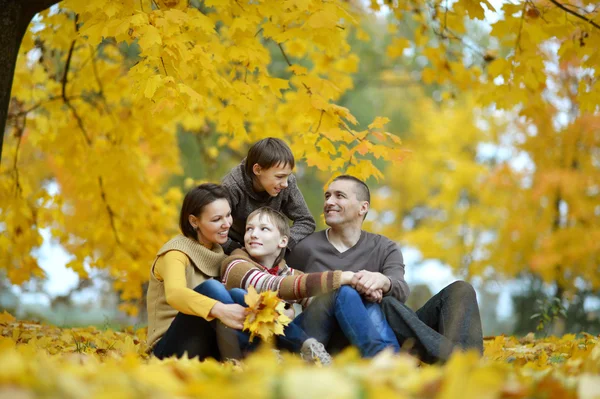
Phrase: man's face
(341, 204)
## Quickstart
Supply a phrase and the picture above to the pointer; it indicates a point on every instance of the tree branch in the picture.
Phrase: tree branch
(66, 99)
(111, 214)
(284, 54)
(575, 14)
(101, 90)
(290, 64)
(20, 131)
(34, 6)
(164, 67)
(320, 120)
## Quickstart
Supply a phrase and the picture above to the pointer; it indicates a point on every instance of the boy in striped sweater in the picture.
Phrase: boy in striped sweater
(262, 265)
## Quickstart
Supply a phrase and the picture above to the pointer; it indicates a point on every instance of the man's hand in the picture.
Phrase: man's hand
(366, 282)
(376, 296)
(231, 315)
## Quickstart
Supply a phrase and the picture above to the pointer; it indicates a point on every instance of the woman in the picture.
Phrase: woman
(188, 310)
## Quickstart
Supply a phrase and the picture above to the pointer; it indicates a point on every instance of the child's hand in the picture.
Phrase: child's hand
(347, 278)
(231, 315)
(290, 313)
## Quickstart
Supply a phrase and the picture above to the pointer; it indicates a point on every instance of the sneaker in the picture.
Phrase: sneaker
(312, 350)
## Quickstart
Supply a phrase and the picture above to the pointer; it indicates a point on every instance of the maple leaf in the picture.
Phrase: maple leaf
(379, 122)
(264, 314)
(6, 318)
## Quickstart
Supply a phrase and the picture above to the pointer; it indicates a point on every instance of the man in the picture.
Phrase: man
(450, 319)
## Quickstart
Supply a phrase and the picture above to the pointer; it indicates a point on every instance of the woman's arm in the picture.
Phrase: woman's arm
(170, 268)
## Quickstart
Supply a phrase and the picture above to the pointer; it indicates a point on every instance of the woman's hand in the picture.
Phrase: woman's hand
(231, 315)
(347, 278)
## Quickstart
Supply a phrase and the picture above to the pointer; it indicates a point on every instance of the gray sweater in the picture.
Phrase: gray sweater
(372, 252)
(244, 200)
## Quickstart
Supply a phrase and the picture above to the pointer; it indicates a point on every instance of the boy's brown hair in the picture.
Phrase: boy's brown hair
(279, 220)
(267, 153)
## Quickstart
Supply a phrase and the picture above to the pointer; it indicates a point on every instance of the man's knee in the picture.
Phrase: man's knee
(462, 289)
(388, 303)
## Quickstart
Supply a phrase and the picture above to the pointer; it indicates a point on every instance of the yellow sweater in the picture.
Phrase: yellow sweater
(180, 265)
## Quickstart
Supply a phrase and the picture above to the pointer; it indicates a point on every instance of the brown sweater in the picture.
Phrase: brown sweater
(244, 200)
(239, 271)
(200, 264)
(372, 252)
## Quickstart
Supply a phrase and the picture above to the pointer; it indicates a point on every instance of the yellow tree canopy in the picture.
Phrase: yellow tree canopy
(92, 133)
(529, 200)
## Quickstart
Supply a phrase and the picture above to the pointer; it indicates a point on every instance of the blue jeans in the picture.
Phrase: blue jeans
(362, 322)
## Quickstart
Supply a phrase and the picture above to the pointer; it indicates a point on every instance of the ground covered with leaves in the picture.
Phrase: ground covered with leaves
(39, 360)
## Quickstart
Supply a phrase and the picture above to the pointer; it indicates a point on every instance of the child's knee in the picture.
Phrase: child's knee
(211, 286)
(237, 294)
(347, 290)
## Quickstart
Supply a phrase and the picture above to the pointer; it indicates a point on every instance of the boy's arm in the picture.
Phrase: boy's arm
(233, 190)
(239, 273)
(297, 211)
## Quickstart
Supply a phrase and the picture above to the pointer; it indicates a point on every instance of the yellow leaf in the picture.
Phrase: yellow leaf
(498, 66)
(428, 75)
(397, 47)
(252, 297)
(327, 147)
(6, 318)
(150, 37)
(298, 70)
(152, 84)
(379, 122)
(322, 19)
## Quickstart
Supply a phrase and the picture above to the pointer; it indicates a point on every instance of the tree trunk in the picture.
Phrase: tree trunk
(15, 16)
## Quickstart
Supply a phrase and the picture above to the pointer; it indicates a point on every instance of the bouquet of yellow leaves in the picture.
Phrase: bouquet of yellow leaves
(265, 315)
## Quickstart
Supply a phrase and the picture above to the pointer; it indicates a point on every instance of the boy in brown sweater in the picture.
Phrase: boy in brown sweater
(264, 178)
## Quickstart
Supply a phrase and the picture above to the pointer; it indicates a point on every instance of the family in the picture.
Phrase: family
(342, 285)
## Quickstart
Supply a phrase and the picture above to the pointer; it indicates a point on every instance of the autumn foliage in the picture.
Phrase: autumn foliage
(45, 361)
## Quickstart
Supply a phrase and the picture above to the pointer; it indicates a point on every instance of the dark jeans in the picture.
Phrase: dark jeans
(449, 320)
(201, 338)
(345, 308)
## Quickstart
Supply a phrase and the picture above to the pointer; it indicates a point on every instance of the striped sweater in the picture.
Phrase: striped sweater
(239, 271)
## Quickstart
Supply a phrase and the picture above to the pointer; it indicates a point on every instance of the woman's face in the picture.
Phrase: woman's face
(213, 223)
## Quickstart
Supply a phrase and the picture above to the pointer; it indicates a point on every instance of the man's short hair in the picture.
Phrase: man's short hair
(361, 189)
(267, 153)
